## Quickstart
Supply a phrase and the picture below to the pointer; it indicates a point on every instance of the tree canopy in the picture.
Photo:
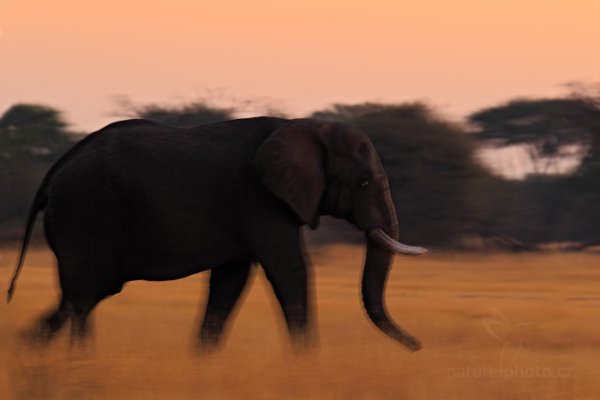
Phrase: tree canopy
(547, 128)
(559, 208)
(33, 130)
(183, 116)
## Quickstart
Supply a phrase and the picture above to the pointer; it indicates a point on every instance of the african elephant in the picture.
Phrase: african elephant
(137, 200)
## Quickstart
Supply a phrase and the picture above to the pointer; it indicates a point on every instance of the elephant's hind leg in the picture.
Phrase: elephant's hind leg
(82, 290)
(82, 308)
(227, 282)
(49, 324)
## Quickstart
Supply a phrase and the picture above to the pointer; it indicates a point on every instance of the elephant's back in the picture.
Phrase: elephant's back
(169, 194)
(149, 187)
(138, 156)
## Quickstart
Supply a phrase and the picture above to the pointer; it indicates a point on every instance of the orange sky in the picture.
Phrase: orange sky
(459, 54)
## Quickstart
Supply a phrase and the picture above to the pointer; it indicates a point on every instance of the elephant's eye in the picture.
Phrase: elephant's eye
(364, 183)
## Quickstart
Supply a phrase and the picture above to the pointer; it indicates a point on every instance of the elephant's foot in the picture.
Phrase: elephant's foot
(38, 334)
(208, 343)
(304, 342)
(45, 328)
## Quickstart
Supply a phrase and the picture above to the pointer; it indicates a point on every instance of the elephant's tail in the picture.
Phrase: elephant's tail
(39, 204)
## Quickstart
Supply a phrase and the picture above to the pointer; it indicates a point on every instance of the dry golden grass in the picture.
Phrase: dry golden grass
(494, 326)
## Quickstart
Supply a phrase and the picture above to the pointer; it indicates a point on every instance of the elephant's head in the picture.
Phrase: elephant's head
(327, 168)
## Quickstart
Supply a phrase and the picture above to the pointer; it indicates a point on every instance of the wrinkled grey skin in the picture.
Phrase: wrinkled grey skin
(138, 200)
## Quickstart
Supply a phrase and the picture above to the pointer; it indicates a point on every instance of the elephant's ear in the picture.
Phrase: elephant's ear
(290, 163)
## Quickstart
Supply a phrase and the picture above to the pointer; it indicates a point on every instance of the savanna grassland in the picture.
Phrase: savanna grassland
(494, 326)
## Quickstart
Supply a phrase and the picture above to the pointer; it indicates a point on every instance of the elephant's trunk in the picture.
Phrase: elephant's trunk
(377, 266)
(380, 247)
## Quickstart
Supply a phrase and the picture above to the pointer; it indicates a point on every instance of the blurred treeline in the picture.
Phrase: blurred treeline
(445, 194)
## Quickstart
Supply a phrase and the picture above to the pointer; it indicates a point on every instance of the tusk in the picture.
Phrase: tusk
(379, 236)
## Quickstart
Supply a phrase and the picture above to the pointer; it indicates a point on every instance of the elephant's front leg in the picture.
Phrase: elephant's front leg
(281, 254)
(227, 283)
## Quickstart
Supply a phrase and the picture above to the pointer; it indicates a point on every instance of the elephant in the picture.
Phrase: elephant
(138, 200)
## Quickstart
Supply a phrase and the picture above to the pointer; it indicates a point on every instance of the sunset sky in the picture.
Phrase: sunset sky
(298, 56)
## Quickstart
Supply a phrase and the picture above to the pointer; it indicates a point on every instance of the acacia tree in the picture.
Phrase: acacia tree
(542, 126)
(32, 131)
(551, 207)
